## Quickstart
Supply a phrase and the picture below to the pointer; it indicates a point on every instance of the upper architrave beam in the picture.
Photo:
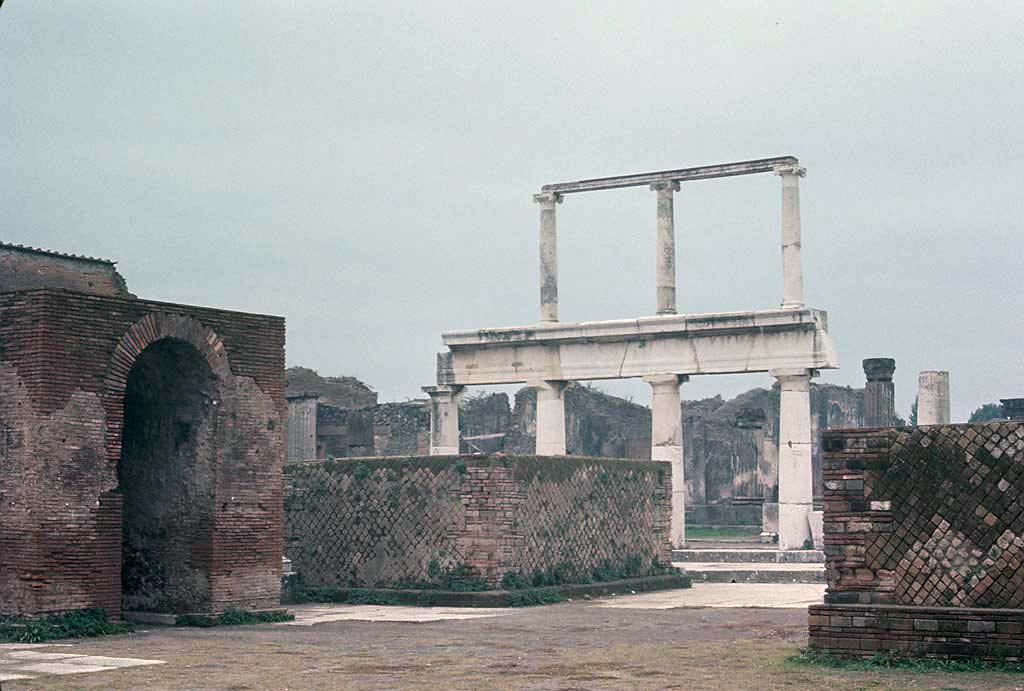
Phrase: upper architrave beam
(720, 343)
(722, 170)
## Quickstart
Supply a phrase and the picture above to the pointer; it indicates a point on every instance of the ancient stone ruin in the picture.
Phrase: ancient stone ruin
(430, 522)
(141, 445)
(924, 539)
(730, 447)
(790, 342)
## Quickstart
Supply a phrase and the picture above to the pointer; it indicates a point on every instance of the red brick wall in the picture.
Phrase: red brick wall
(64, 360)
(924, 542)
(24, 268)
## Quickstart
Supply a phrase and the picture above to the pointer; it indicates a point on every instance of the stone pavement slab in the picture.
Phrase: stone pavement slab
(33, 656)
(774, 595)
(734, 566)
(771, 595)
(4, 676)
(62, 668)
(19, 661)
(308, 615)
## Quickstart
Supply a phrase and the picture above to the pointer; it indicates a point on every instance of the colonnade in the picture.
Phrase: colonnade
(795, 479)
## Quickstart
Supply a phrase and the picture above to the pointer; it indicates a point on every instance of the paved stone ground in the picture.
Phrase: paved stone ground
(21, 661)
(708, 637)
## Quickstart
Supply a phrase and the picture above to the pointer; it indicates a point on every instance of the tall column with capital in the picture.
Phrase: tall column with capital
(665, 251)
(667, 443)
(879, 395)
(444, 418)
(795, 473)
(550, 416)
(548, 256)
(792, 265)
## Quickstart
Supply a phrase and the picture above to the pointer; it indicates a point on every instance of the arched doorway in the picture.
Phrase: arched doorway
(166, 478)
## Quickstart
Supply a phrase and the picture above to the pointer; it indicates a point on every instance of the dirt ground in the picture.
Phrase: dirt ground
(571, 646)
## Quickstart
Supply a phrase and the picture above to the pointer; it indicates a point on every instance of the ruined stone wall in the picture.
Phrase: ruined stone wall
(342, 433)
(401, 429)
(24, 268)
(731, 449)
(65, 362)
(341, 392)
(924, 541)
(484, 422)
(404, 522)
(596, 424)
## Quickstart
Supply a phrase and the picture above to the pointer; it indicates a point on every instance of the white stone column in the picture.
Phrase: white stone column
(444, 419)
(667, 443)
(665, 251)
(301, 428)
(792, 265)
(550, 416)
(796, 492)
(548, 256)
(933, 398)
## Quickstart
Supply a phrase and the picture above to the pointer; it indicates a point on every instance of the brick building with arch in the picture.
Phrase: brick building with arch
(141, 445)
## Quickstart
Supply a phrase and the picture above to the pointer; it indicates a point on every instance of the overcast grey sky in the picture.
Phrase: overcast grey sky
(366, 168)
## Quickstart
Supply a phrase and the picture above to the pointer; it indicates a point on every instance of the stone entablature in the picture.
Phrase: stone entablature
(721, 343)
(924, 526)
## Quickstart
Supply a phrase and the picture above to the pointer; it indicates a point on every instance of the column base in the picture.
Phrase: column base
(674, 455)
(444, 451)
(794, 526)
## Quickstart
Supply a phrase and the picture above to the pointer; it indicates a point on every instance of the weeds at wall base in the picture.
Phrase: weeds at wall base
(83, 623)
(235, 617)
(812, 658)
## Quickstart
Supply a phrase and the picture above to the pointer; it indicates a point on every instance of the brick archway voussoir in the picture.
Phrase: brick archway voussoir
(158, 326)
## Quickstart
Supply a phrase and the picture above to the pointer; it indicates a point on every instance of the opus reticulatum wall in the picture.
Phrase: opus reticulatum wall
(924, 541)
(402, 522)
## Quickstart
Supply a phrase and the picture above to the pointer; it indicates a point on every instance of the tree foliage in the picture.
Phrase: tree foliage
(989, 411)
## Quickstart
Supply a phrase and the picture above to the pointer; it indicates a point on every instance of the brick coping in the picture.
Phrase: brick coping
(948, 611)
(134, 300)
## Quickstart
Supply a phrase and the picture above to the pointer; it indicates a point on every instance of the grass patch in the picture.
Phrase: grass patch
(566, 573)
(459, 578)
(235, 617)
(359, 596)
(355, 596)
(83, 623)
(811, 658)
(532, 598)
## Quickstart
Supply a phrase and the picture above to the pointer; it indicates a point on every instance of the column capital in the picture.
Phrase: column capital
(657, 380)
(552, 385)
(879, 368)
(792, 170)
(548, 198)
(794, 378)
(443, 391)
(665, 186)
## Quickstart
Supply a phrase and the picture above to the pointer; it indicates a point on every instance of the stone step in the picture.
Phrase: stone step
(752, 573)
(749, 556)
